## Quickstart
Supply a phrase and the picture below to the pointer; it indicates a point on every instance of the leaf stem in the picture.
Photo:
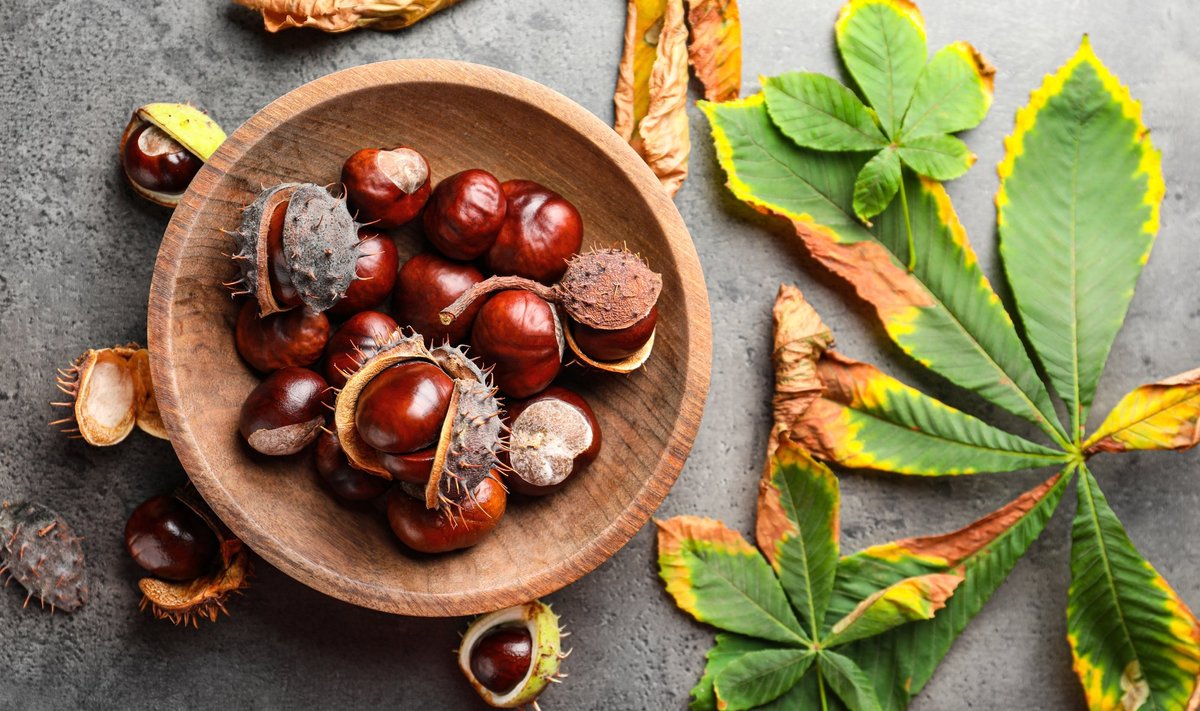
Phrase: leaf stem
(821, 688)
(912, 248)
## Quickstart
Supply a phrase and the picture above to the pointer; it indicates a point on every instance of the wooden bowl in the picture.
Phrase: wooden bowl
(460, 116)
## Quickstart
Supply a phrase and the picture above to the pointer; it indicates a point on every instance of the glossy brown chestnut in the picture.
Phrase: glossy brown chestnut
(447, 529)
(464, 214)
(554, 435)
(353, 343)
(280, 275)
(403, 408)
(285, 411)
(388, 187)
(501, 658)
(541, 231)
(414, 467)
(157, 162)
(428, 283)
(376, 270)
(290, 338)
(169, 540)
(343, 480)
(518, 334)
(616, 344)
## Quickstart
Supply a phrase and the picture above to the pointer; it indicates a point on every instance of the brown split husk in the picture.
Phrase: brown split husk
(110, 392)
(471, 434)
(188, 602)
(344, 15)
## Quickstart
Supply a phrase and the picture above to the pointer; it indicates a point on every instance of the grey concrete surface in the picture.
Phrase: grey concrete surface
(78, 250)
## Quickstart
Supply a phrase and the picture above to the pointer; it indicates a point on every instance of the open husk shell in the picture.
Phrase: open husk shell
(110, 392)
(189, 126)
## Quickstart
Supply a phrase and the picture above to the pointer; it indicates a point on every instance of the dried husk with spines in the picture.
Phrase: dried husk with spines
(110, 392)
(471, 436)
(606, 289)
(319, 242)
(39, 550)
(187, 602)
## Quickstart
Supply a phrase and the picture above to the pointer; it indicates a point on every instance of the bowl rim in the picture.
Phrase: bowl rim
(600, 547)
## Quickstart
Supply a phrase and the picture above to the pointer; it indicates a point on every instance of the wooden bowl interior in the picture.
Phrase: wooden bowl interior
(462, 117)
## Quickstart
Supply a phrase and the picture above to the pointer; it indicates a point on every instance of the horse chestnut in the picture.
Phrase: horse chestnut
(541, 231)
(388, 187)
(284, 412)
(512, 655)
(615, 344)
(554, 435)
(280, 340)
(501, 658)
(343, 480)
(464, 214)
(354, 342)
(403, 408)
(443, 529)
(415, 467)
(428, 283)
(157, 162)
(163, 147)
(283, 289)
(376, 272)
(518, 334)
(169, 540)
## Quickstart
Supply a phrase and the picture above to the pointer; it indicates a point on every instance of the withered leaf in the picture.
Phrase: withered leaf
(801, 337)
(715, 47)
(344, 15)
(651, 95)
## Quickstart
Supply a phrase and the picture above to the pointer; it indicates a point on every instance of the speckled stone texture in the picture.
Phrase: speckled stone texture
(79, 249)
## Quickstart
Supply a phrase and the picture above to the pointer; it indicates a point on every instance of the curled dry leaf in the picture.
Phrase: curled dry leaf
(344, 15)
(110, 392)
(651, 95)
(715, 47)
(800, 339)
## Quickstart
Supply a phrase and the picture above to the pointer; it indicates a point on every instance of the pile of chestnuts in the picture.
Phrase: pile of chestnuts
(391, 398)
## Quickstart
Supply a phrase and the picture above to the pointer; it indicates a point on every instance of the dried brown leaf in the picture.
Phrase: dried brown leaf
(801, 338)
(344, 15)
(651, 94)
(715, 48)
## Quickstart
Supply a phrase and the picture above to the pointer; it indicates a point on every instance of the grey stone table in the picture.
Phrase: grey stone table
(78, 250)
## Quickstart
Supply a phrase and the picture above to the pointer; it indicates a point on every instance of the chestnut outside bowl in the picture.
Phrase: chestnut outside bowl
(460, 116)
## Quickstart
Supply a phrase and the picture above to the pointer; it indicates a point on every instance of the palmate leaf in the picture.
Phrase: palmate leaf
(797, 529)
(944, 313)
(727, 648)
(1136, 644)
(719, 578)
(883, 45)
(902, 661)
(865, 419)
(1162, 415)
(1078, 209)
(756, 678)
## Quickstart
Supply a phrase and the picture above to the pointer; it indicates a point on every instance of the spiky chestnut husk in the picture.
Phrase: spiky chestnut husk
(188, 602)
(546, 652)
(39, 551)
(110, 392)
(470, 439)
(187, 125)
(605, 289)
(320, 246)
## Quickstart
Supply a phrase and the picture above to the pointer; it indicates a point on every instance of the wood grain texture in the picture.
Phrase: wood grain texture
(459, 115)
